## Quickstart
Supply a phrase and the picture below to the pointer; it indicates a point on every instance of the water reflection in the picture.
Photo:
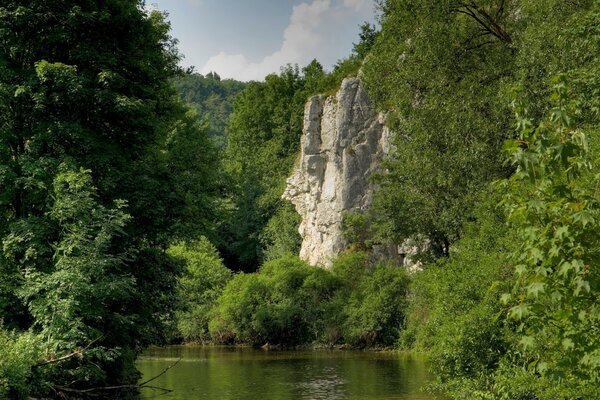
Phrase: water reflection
(239, 374)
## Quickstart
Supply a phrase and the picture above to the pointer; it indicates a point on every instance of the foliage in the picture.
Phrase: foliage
(442, 78)
(444, 70)
(453, 296)
(551, 324)
(289, 303)
(19, 354)
(356, 228)
(190, 160)
(263, 139)
(199, 287)
(456, 313)
(280, 236)
(88, 270)
(552, 203)
(375, 309)
(92, 185)
(212, 99)
(368, 35)
(267, 307)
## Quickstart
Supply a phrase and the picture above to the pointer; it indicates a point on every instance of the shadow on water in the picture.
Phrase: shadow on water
(250, 374)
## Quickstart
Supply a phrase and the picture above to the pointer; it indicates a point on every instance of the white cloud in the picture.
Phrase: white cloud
(310, 34)
(357, 4)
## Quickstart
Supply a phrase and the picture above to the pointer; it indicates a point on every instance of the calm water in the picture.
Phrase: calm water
(247, 374)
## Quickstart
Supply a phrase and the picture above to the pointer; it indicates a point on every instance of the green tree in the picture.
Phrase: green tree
(199, 287)
(552, 203)
(89, 269)
(212, 98)
(88, 85)
(442, 75)
(263, 140)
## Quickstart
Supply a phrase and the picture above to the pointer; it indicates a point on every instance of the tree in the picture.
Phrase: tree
(552, 203)
(212, 98)
(444, 69)
(444, 87)
(368, 35)
(87, 85)
(263, 139)
(199, 287)
(89, 270)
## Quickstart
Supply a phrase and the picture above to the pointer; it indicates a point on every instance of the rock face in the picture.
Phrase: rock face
(343, 143)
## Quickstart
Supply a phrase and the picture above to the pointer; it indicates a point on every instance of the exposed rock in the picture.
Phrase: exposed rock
(343, 144)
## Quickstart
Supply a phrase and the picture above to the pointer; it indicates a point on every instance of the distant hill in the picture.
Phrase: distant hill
(212, 97)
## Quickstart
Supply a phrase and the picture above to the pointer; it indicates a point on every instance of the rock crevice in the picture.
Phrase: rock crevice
(343, 143)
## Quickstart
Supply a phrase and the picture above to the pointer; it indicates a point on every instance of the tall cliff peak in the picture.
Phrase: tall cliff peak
(343, 143)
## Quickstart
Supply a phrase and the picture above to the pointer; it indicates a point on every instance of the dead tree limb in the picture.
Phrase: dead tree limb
(490, 24)
(100, 392)
(76, 353)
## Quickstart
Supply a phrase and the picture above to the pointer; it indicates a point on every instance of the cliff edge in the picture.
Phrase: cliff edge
(343, 143)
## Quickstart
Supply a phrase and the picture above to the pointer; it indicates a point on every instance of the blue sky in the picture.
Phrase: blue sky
(247, 39)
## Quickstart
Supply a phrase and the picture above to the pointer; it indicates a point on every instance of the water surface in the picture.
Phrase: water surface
(248, 374)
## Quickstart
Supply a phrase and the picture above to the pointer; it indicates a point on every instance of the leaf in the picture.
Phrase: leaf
(561, 232)
(527, 342)
(581, 284)
(554, 251)
(536, 288)
(568, 344)
(519, 312)
(521, 269)
(584, 218)
(565, 268)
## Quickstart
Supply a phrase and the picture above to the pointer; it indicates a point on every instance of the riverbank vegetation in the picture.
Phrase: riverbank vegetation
(130, 218)
(96, 178)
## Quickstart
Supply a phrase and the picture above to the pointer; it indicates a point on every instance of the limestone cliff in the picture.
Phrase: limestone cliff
(343, 143)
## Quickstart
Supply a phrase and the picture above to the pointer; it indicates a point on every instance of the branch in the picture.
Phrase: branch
(162, 373)
(76, 353)
(480, 45)
(144, 385)
(63, 358)
(490, 24)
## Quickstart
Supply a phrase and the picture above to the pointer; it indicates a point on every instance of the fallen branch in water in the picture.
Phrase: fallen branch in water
(97, 391)
(162, 373)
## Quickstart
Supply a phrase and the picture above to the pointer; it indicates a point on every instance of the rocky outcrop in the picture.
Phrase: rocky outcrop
(343, 143)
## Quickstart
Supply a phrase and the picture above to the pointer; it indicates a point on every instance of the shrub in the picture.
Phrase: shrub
(290, 303)
(285, 303)
(18, 354)
(454, 311)
(376, 308)
(203, 281)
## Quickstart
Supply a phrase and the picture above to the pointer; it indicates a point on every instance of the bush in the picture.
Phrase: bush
(286, 303)
(350, 268)
(280, 236)
(376, 308)
(455, 312)
(234, 317)
(200, 286)
(18, 354)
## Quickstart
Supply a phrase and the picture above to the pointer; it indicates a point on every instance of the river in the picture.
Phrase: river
(249, 374)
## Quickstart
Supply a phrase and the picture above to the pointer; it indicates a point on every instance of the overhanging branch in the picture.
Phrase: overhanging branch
(490, 24)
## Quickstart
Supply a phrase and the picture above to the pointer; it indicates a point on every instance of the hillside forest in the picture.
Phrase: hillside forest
(141, 203)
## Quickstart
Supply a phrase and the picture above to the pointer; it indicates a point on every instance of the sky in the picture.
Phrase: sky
(248, 39)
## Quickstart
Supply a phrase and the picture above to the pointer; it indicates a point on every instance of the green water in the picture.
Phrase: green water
(248, 374)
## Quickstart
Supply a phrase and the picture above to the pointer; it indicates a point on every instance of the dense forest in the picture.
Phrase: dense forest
(141, 203)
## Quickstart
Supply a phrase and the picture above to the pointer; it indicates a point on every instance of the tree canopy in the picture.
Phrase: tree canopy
(93, 183)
